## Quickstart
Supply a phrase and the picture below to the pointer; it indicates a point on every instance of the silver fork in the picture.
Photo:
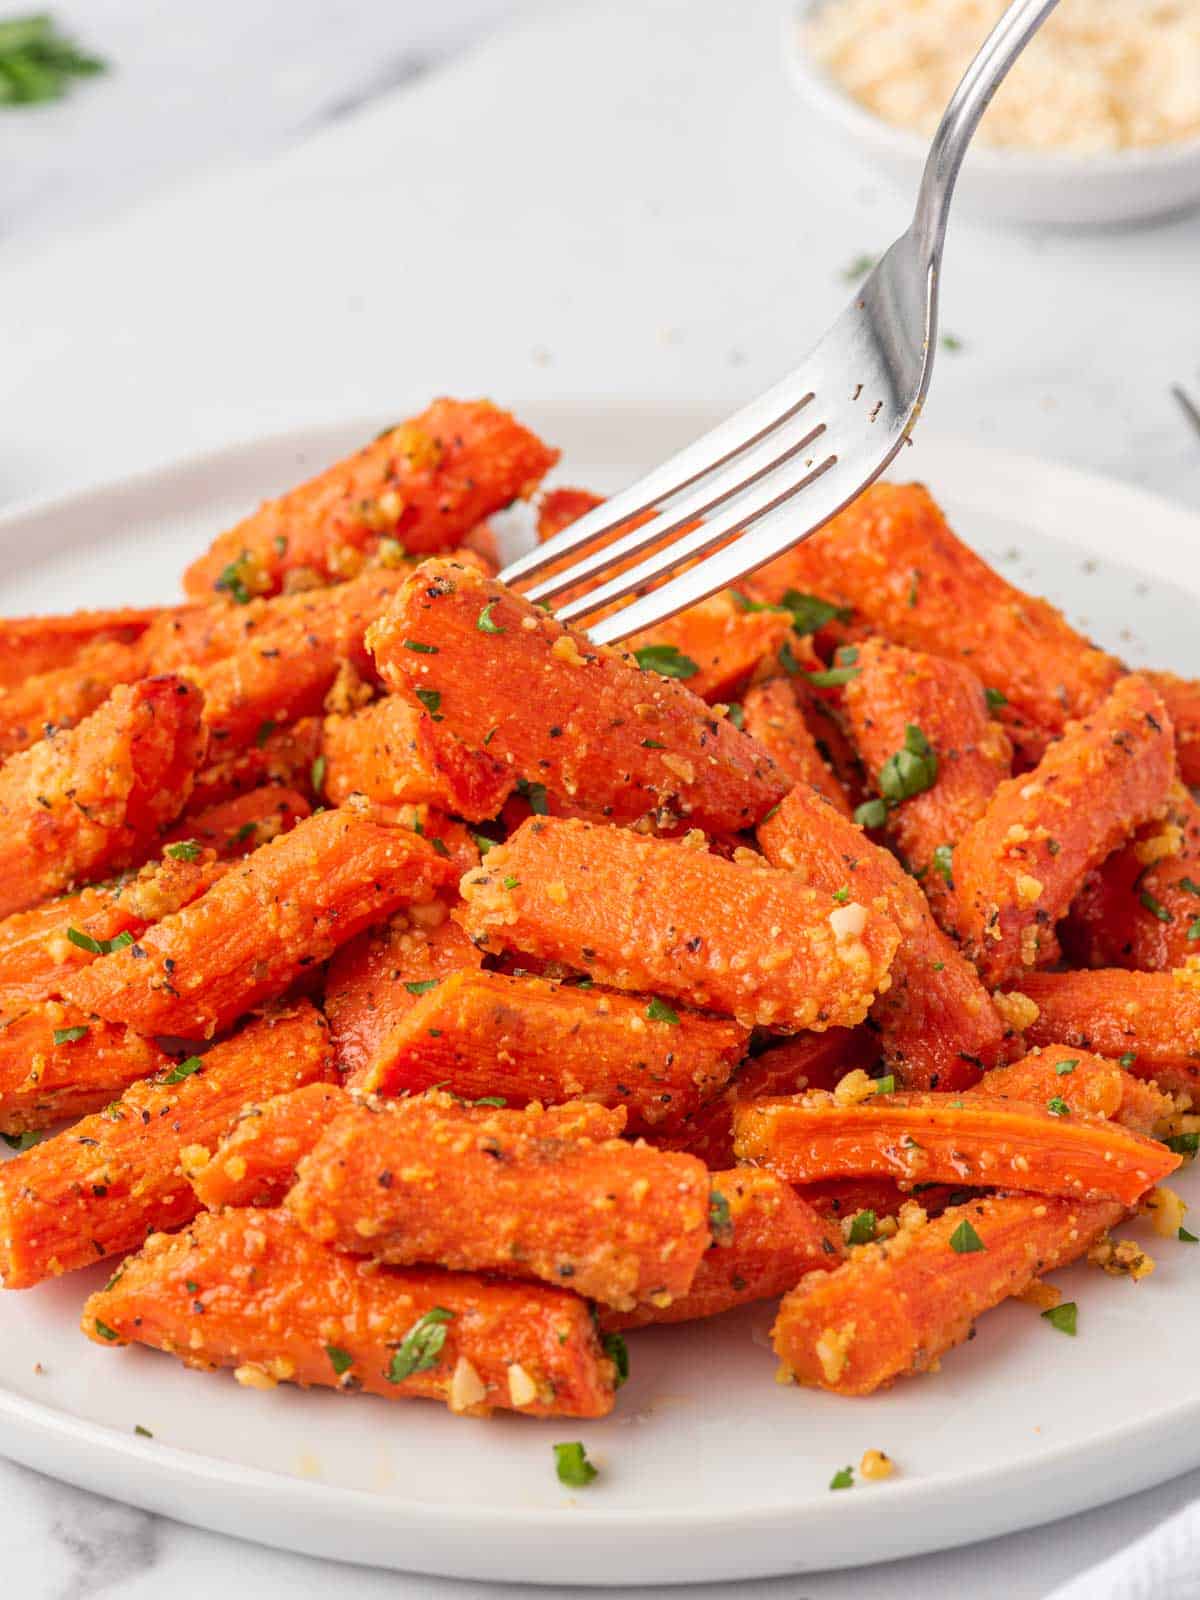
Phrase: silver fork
(828, 429)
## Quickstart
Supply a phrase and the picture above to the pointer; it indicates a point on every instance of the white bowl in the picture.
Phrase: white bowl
(1005, 185)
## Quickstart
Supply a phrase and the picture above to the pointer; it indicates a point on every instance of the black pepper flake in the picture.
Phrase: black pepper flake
(385, 1179)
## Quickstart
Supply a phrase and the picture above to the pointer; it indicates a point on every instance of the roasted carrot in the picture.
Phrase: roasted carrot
(774, 719)
(393, 751)
(895, 1308)
(1148, 1021)
(475, 1188)
(559, 508)
(721, 644)
(582, 722)
(101, 1186)
(88, 800)
(934, 1138)
(285, 755)
(1018, 868)
(276, 1306)
(284, 909)
(36, 705)
(937, 1025)
(1082, 1082)
(767, 1238)
(484, 1033)
(842, 1200)
(422, 484)
(892, 558)
(238, 826)
(30, 646)
(58, 1062)
(1181, 696)
(651, 915)
(255, 1163)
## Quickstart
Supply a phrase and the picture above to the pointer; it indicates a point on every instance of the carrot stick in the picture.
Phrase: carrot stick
(938, 1028)
(776, 722)
(276, 1306)
(255, 1163)
(63, 696)
(483, 1189)
(895, 1308)
(725, 643)
(650, 915)
(558, 508)
(581, 722)
(89, 800)
(1181, 696)
(286, 908)
(393, 751)
(930, 1138)
(841, 1200)
(893, 559)
(422, 483)
(1083, 1082)
(238, 826)
(770, 1238)
(58, 1062)
(483, 1033)
(30, 646)
(101, 1186)
(283, 755)
(1018, 868)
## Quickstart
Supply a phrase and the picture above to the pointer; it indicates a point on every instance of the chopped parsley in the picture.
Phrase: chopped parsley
(421, 1346)
(943, 863)
(317, 776)
(911, 770)
(995, 699)
(99, 947)
(841, 895)
(340, 1360)
(1155, 907)
(659, 1011)
(1189, 885)
(103, 1329)
(964, 1241)
(484, 621)
(862, 1227)
(182, 1070)
(185, 850)
(142, 1433)
(653, 744)
(1064, 1067)
(511, 883)
(851, 273)
(720, 1218)
(572, 1465)
(832, 677)
(1183, 1144)
(431, 699)
(810, 612)
(484, 843)
(1193, 932)
(69, 1035)
(667, 660)
(886, 1085)
(233, 579)
(419, 648)
(497, 1101)
(736, 715)
(843, 1479)
(535, 793)
(21, 1141)
(617, 1352)
(1185, 1237)
(951, 342)
(1128, 1059)
(871, 814)
(37, 62)
(265, 730)
(1058, 1107)
(423, 986)
(1064, 1317)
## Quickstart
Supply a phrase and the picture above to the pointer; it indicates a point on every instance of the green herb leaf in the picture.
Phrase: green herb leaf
(720, 1218)
(99, 947)
(37, 62)
(659, 1011)
(736, 715)
(496, 1100)
(421, 1346)
(843, 1479)
(886, 1085)
(1155, 907)
(420, 649)
(665, 659)
(317, 776)
(1183, 1144)
(862, 1227)
(511, 883)
(1064, 1317)
(1058, 1107)
(943, 863)
(431, 699)
(69, 1035)
(951, 343)
(1190, 885)
(535, 793)
(653, 744)
(182, 1070)
(572, 1465)
(1193, 932)
(233, 579)
(484, 843)
(1187, 1238)
(340, 1360)
(810, 613)
(103, 1329)
(1064, 1067)
(910, 771)
(617, 1352)
(265, 730)
(142, 1433)
(21, 1141)
(832, 677)
(185, 850)
(871, 814)
(423, 987)
(995, 699)
(841, 895)
(964, 1241)
(1129, 1059)
(484, 621)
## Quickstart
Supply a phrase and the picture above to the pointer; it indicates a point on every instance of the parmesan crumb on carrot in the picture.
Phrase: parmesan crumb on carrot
(833, 1350)
(1121, 1259)
(1040, 1295)
(1017, 1010)
(1166, 1211)
(854, 1088)
(875, 1466)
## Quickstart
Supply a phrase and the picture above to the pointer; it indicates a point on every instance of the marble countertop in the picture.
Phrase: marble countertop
(239, 231)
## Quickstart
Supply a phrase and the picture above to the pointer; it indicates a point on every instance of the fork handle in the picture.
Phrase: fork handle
(961, 117)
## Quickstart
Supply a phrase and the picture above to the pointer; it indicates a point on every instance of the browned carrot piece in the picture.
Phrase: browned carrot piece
(101, 1186)
(766, 1239)
(1181, 696)
(583, 722)
(1082, 1082)
(393, 751)
(377, 978)
(277, 1306)
(422, 483)
(898, 689)
(938, 1027)
(483, 1189)
(283, 755)
(88, 800)
(58, 1062)
(932, 1138)
(284, 909)
(64, 696)
(238, 826)
(483, 1033)
(1018, 868)
(724, 642)
(896, 1307)
(30, 646)
(843, 1199)
(650, 915)
(255, 1163)
(893, 559)
(775, 720)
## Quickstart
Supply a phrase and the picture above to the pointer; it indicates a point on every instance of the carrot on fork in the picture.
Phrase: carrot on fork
(276, 1306)
(773, 717)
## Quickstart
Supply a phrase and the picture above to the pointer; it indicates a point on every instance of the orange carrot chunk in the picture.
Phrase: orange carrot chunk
(774, 719)
(765, 1239)
(255, 1163)
(99, 1187)
(58, 1062)
(1082, 1082)
(932, 1138)
(284, 755)
(286, 908)
(721, 644)
(1181, 696)
(277, 1306)
(895, 1308)
(86, 801)
(485, 1033)
(474, 1188)
(579, 721)
(30, 646)
(36, 705)
(1018, 868)
(238, 826)
(660, 917)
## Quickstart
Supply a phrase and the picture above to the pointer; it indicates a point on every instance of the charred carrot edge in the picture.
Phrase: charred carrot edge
(1082, 1082)
(422, 483)
(31, 646)
(484, 1033)
(929, 1138)
(725, 643)
(621, 1223)
(1181, 696)
(98, 1188)
(774, 719)
(378, 977)
(58, 1062)
(1148, 1021)
(892, 558)
(284, 909)
(938, 1026)
(392, 751)
(238, 826)
(580, 721)
(278, 1307)
(766, 1239)
(63, 696)
(1018, 868)
(88, 800)
(284, 755)
(255, 1163)
(896, 1307)
(658, 917)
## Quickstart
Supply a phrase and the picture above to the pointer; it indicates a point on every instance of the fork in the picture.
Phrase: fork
(778, 469)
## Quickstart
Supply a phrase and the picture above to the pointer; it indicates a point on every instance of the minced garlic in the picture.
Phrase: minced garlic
(875, 1465)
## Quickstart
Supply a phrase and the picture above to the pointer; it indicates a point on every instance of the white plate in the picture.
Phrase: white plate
(708, 1469)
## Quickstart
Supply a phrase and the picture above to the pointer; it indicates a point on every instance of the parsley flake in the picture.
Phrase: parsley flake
(1064, 1317)
(317, 776)
(1058, 1107)
(511, 883)
(843, 1479)
(1187, 1238)
(340, 1360)
(964, 1241)
(419, 648)
(1155, 907)
(69, 1035)
(484, 621)
(720, 1218)
(995, 699)
(103, 1329)
(665, 659)
(421, 1346)
(886, 1085)
(1064, 1067)
(431, 699)
(182, 1070)
(572, 1465)
(422, 987)
(862, 1227)
(21, 1141)
(659, 1011)
(736, 715)
(911, 770)
(99, 947)
(185, 850)
(617, 1352)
